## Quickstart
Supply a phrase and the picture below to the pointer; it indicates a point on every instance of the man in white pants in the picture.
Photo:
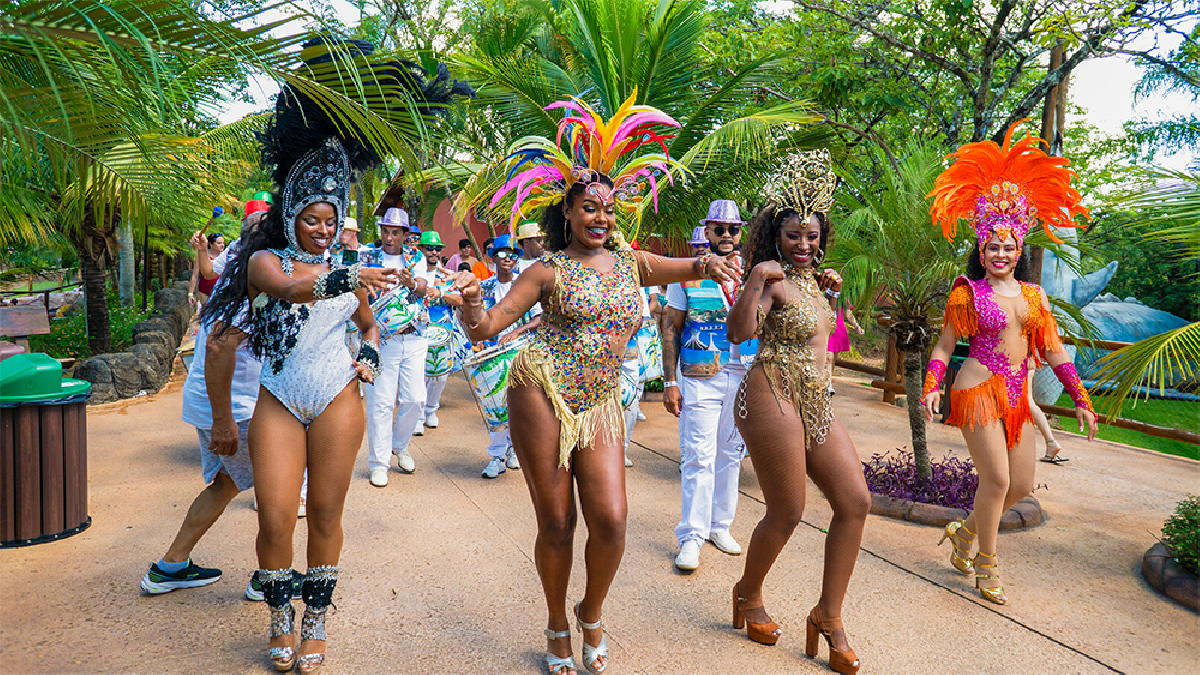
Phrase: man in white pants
(396, 400)
(500, 450)
(437, 294)
(704, 396)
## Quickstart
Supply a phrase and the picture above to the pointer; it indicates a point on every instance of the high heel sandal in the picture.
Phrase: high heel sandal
(592, 654)
(318, 587)
(841, 662)
(762, 633)
(990, 593)
(555, 664)
(277, 591)
(962, 563)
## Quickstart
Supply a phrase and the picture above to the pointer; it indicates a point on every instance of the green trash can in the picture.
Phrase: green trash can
(43, 451)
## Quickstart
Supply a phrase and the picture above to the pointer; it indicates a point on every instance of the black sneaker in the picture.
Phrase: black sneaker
(157, 581)
(254, 591)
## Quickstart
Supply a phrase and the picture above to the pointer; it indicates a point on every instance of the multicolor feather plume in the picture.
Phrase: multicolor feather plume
(1006, 189)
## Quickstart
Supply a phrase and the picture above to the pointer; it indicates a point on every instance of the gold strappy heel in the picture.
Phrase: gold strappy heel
(990, 593)
(962, 563)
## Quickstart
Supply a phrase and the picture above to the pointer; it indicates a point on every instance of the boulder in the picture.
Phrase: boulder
(153, 363)
(158, 324)
(155, 337)
(97, 371)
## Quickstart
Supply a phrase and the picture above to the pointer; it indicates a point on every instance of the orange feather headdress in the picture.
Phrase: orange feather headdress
(1005, 190)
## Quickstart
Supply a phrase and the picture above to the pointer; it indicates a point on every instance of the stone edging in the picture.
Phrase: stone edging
(1170, 578)
(1027, 512)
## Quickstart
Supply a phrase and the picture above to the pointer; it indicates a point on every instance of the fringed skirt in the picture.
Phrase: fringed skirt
(577, 428)
(987, 402)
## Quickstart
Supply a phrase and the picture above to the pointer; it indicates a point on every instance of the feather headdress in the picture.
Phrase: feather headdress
(541, 171)
(1005, 189)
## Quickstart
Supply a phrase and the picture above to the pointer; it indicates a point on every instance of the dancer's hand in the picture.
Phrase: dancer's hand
(364, 373)
(224, 437)
(673, 400)
(468, 285)
(405, 277)
(930, 404)
(830, 280)
(1087, 417)
(377, 279)
(770, 271)
(720, 269)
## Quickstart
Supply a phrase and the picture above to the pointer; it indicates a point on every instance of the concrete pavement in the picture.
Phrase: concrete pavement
(438, 569)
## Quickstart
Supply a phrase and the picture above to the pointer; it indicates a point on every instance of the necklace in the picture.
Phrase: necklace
(293, 253)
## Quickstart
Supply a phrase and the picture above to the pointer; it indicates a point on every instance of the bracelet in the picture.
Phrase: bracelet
(702, 263)
(670, 383)
(336, 282)
(1065, 372)
(933, 377)
(832, 294)
(368, 355)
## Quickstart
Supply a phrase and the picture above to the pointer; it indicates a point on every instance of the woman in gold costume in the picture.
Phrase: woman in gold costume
(564, 386)
(784, 412)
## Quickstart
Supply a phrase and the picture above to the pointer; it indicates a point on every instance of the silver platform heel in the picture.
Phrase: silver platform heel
(555, 664)
(318, 594)
(590, 653)
(277, 591)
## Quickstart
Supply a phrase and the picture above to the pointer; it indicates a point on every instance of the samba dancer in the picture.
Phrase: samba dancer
(1002, 191)
(784, 410)
(710, 369)
(500, 449)
(563, 389)
(396, 400)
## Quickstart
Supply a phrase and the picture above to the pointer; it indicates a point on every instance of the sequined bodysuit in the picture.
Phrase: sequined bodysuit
(576, 353)
(974, 312)
(788, 354)
(306, 363)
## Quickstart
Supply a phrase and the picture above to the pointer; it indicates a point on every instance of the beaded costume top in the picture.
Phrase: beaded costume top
(788, 356)
(974, 313)
(576, 353)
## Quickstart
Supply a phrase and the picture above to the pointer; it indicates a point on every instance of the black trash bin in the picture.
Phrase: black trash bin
(43, 452)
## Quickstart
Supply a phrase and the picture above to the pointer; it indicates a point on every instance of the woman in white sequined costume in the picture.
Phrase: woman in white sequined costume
(785, 415)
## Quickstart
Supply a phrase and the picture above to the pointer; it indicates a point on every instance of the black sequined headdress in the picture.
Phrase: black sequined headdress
(321, 175)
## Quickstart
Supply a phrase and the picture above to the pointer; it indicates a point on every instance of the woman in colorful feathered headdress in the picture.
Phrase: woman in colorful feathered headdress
(1002, 191)
(564, 383)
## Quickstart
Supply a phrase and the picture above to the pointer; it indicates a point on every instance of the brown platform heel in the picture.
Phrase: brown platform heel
(841, 662)
(762, 633)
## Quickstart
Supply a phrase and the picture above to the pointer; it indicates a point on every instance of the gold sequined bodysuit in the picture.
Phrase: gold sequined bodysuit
(576, 354)
(789, 357)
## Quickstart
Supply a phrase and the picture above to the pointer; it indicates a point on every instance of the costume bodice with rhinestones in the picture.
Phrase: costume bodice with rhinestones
(586, 324)
(792, 348)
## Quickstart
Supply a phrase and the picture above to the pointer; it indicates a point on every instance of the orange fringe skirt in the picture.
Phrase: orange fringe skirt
(987, 402)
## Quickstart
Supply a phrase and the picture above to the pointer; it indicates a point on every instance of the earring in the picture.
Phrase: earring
(819, 257)
(567, 233)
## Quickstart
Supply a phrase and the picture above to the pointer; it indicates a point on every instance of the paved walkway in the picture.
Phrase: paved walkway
(439, 575)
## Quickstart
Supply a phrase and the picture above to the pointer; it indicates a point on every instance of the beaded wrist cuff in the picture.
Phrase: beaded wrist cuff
(933, 376)
(702, 264)
(368, 355)
(336, 282)
(1074, 386)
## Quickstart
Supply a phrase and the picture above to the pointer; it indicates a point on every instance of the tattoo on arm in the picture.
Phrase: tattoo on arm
(670, 338)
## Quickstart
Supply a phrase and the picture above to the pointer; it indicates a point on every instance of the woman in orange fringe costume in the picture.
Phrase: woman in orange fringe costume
(1002, 191)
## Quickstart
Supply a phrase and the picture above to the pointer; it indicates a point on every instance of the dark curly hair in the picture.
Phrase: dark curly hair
(976, 270)
(554, 223)
(763, 241)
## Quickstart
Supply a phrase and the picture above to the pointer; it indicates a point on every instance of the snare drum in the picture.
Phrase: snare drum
(649, 347)
(439, 358)
(629, 384)
(394, 313)
(487, 372)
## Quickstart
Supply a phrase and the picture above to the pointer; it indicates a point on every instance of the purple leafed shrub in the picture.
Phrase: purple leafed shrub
(952, 482)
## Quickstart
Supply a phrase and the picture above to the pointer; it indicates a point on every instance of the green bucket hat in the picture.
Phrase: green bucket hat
(431, 238)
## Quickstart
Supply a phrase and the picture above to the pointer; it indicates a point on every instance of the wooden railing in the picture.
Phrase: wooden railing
(45, 292)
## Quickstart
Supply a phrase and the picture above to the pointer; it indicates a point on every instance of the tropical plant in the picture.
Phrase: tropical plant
(1181, 534)
(603, 51)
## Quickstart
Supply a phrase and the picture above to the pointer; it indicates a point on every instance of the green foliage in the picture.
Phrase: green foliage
(655, 385)
(68, 335)
(1181, 534)
(1159, 412)
(1150, 269)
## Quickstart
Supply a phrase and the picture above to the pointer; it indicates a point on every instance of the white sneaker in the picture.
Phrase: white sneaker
(420, 430)
(510, 460)
(628, 462)
(495, 467)
(725, 542)
(689, 555)
(405, 461)
(379, 477)
(641, 415)
(431, 420)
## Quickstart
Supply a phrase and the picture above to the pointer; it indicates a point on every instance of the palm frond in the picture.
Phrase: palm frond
(1156, 362)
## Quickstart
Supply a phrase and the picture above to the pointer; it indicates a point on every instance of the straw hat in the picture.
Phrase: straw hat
(528, 229)
(351, 224)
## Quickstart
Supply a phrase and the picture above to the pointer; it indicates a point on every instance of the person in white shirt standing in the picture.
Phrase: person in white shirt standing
(440, 304)
(704, 396)
(532, 244)
(396, 400)
(500, 450)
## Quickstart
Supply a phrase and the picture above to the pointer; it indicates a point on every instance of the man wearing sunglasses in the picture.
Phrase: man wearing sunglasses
(703, 393)
(439, 294)
(532, 243)
(500, 451)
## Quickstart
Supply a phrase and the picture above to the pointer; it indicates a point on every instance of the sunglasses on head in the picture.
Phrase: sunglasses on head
(733, 230)
(504, 255)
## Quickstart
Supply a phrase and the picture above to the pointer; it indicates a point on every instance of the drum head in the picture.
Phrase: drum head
(437, 335)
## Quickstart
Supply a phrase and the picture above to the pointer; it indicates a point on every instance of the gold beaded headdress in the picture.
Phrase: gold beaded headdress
(804, 182)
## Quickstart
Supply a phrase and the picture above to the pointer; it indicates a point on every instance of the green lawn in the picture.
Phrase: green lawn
(1163, 413)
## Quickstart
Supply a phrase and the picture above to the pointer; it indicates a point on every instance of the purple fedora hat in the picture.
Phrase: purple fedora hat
(723, 211)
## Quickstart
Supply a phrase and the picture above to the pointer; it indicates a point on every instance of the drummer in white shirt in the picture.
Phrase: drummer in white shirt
(500, 450)
(439, 284)
(396, 400)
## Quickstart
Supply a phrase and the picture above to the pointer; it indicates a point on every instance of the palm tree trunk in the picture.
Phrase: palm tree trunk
(913, 383)
(127, 276)
(96, 301)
